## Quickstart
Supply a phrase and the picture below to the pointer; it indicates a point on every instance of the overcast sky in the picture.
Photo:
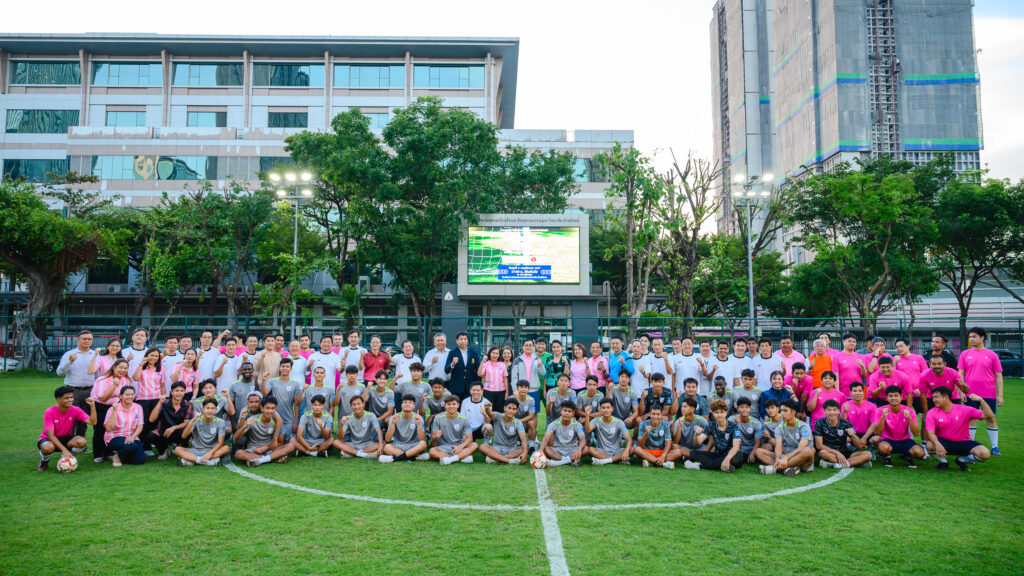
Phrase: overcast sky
(591, 64)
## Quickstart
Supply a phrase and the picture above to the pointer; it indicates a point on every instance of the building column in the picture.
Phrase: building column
(246, 87)
(3, 72)
(83, 65)
(408, 77)
(488, 87)
(168, 79)
(328, 88)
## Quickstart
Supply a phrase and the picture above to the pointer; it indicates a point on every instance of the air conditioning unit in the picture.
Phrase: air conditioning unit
(363, 283)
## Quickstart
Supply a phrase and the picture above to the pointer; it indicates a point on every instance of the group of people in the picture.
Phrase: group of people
(743, 404)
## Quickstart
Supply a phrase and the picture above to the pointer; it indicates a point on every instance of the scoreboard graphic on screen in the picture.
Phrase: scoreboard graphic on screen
(523, 255)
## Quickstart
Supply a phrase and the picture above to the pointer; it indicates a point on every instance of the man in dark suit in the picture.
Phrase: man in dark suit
(463, 363)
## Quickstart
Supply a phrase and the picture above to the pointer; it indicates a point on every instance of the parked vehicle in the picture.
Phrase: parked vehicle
(1011, 362)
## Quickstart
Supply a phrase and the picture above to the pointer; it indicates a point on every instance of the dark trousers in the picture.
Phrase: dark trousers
(80, 395)
(99, 447)
(157, 439)
(147, 426)
(128, 453)
(713, 460)
(497, 400)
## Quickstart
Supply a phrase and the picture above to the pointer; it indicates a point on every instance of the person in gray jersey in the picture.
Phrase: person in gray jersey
(690, 391)
(359, 433)
(588, 400)
(207, 433)
(380, 401)
(434, 404)
(625, 401)
(285, 391)
(611, 439)
(507, 443)
(225, 408)
(405, 436)
(348, 390)
(527, 413)
(770, 424)
(314, 433)
(261, 434)
(451, 435)
(750, 391)
(689, 431)
(654, 440)
(240, 390)
(416, 387)
(558, 396)
(794, 451)
(748, 428)
(564, 441)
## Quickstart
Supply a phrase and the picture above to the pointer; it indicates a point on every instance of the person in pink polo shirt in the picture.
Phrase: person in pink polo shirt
(983, 374)
(59, 426)
(861, 414)
(897, 425)
(124, 424)
(886, 376)
(789, 355)
(799, 382)
(849, 365)
(875, 353)
(938, 374)
(912, 365)
(829, 351)
(946, 429)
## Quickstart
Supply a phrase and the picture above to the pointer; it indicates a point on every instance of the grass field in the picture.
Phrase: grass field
(163, 519)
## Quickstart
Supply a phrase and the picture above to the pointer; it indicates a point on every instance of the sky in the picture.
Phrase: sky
(582, 64)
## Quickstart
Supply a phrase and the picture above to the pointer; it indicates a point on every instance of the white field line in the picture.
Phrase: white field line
(552, 534)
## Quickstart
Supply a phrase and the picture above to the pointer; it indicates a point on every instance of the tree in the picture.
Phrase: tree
(44, 248)
(720, 284)
(1008, 257)
(608, 258)
(637, 187)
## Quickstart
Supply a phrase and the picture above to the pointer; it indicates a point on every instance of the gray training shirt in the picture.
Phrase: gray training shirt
(565, 437)
(405, 431)
(687, 430)
(453, 430)
(749, 432)
(205, 435)
(609, 436)
(361, 431)
(403, 388)
(379, 402)
(506, 434)
(310, 429)
(526, 407)
(259, 434)
(345, 395)
(285, 392)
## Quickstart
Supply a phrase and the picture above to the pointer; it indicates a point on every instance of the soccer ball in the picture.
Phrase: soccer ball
(538, 460)
(67, 464)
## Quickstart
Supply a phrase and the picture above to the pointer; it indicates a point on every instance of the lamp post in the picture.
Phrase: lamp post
(298, 183)
(745, 195)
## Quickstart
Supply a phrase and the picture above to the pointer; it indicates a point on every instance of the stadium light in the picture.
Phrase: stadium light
(767, 177)
(290, 176)
(307, 192)
(739, 179)
(306, 176)
(281, 193)
(275, 177)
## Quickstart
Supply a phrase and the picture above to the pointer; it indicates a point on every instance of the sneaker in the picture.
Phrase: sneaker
(942, 465)
(312, 453)
(78, 450)
(163, 455)
(996, 452)
(489, 460)
(887, 461)
(731, 469)
(467, 460)
(808, 468)
(767, 470)
(576, 462)
(691, 465)
(448, 460)
(213, 462)
(323, 454)
(669, 465)
(826, 464)
(86, 451)
(346, 456)
(385, 459)
(97, 460)
(514, 461)
(44, 465)
(791, 471)
(283, 460)
(115, 461)
(252, 463)
(148, 453)
(963, 466)
(646, 464)
(910, 461)
(186, 463)
(866, 465)
(422, 457)
(624, 462)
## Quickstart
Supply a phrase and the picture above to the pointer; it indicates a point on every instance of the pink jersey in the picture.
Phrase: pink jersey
(953, 425)
(847, 369)
(860, 415)
(823, 395)
(103, 363)
(106, 383)
(979, 368)
(187, 376)
(494, 376)
(62, 423)
(125, 421)
(928, 381)
(788, 361)
(832, 353)
(912, 365)
(577, 374)
(880, 381)
(150, 385)
(897, 425)
(869, 357)
(596, 364)
(803, 386)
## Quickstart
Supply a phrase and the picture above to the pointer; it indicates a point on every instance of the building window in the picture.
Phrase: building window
(378, 120)
(287, 119)
(127, 74)
(126, 118)
(369, 75)
(309, 75)
(35, 170)
(29, 72)
(431, 76)
(106, 272)
(207, 119)
(188, 74)
(154, 167)
(268, 163)
(41, 121)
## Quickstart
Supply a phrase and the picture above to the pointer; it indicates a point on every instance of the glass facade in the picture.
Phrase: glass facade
(287, 119)
(189, 74)
(447, 76)
(127, 74)
(378, 120)
(207, 119)
(369, 75)
(28, 72)
(309, 75)
(34, 170)
(40, 121)
(123, 118)
(268, 163)
(155, 167)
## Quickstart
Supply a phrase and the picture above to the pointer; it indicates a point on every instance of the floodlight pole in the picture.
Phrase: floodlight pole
(300, 185)
(749, 200)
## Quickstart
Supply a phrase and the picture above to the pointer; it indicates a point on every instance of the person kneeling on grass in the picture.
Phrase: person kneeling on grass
(59, 426)
(508, 438)
(359, 433)
(654, 440)
(897, 425)
(261, 434)
(689, 431)
(723, 451)
(314, 433)
(793, 452)
(947, 429)
(609, 434)
(208, 435)
(405, 436)
(564, 441)
(837, 442)
(452, 435)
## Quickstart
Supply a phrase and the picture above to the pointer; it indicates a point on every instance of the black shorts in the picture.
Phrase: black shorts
(845, 451)
(63, 440)
(900, 446)
(478, 434)
(958, 447)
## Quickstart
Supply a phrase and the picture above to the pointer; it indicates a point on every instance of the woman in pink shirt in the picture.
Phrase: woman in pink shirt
(598, 365)
(494, 375)
(124, 424)
(105, 392)
(150, 387)
(103, 358)
(186, 372)
(578, 367)
(507, 356)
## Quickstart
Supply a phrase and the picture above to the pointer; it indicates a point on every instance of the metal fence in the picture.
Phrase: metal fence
(1004, 333)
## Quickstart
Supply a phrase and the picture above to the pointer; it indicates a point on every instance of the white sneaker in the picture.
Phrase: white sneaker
(148, 453)
(514, 461)
(163, 455)
(601, 461)
(311, 453)
(422, 457)
(489, 460)
(669, 465)
(691, 465)
(809, 468)
(827, 465)
(467, 460)
(624, 462)
(767, 469)
(346, 455)
(646, 464)
(97, 460)
(186, 463)
(385, 459)
(448, 460)
(212, 462)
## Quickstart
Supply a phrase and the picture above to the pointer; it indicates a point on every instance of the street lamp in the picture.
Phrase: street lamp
(299, 183)
(744, 194)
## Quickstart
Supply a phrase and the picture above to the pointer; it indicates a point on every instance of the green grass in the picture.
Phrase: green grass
(162, 519)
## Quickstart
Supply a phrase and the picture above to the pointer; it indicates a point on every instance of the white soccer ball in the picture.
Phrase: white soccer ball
(538, 460)
(67, 464)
